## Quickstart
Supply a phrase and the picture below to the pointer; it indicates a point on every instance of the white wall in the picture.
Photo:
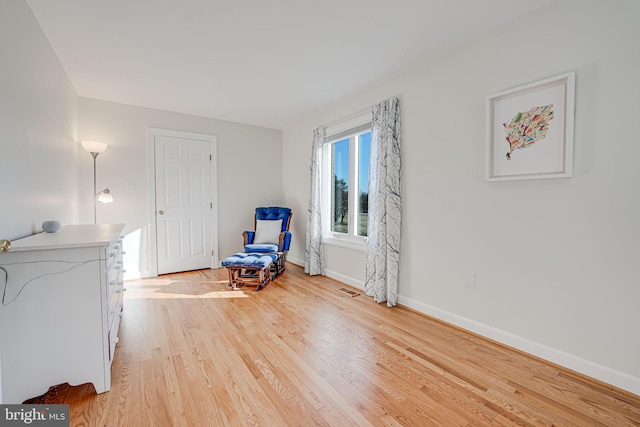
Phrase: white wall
(556, 260)
(38, 156)
(249, 172)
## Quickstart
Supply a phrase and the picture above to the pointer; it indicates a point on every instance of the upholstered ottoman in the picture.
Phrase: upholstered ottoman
(249, 268)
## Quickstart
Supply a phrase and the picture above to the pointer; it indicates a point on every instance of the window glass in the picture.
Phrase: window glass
(364, 153)
(340, 186)
(345, 178)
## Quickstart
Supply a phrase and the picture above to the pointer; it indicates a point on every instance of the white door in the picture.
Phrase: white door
(183, 203)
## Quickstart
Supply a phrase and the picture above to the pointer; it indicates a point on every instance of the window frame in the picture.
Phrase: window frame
(349, 129)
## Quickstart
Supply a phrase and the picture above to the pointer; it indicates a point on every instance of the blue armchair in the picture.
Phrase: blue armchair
(271, 231)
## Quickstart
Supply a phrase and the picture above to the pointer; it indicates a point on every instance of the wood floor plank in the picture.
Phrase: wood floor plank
(193, 352)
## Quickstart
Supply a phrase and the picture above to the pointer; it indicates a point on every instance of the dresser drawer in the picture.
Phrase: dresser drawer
(113, 333)
(115, 306)
(114, 279)
(113, 253)
(115, 289)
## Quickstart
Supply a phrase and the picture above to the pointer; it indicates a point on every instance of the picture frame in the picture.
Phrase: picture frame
(529, 131)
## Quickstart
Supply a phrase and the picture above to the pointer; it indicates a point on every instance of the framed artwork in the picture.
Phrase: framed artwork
(530, 131)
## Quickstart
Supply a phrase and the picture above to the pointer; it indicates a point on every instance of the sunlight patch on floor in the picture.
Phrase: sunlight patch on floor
(171, 289)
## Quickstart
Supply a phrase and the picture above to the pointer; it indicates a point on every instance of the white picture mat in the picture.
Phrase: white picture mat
(550, 157)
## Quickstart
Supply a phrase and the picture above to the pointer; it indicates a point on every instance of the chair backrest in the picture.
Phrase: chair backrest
(274, 213)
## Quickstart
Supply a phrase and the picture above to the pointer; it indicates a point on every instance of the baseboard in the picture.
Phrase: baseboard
(147, 274)
(332, 274)
(345, 279)
(296, 261)
(583, 366)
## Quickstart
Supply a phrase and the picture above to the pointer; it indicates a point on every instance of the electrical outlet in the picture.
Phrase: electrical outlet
(132, 187)
(470, 280)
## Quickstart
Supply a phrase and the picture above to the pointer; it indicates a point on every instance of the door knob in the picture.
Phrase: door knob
(160, 212)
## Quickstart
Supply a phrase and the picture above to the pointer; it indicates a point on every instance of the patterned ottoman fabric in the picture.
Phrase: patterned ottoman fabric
(249, 260)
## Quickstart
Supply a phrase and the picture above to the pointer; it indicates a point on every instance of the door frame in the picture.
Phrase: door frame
(151, 192)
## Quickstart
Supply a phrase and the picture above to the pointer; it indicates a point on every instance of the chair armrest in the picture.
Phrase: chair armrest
(285, 241)
(248, 237)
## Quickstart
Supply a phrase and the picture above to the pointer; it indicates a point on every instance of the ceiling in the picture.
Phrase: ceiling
(260, 62)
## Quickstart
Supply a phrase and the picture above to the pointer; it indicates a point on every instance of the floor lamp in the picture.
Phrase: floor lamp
(104, 196)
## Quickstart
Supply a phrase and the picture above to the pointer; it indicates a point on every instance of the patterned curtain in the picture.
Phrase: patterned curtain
(314, 257)
(383, 243)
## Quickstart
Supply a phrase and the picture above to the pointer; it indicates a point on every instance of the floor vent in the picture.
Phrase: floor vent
(349, 292)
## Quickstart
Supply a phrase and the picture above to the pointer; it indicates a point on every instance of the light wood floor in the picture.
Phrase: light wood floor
(192, 352)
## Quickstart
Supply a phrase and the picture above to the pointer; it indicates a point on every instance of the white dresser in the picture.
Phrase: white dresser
(60, 312)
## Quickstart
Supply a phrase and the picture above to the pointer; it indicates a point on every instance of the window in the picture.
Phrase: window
(346, 183)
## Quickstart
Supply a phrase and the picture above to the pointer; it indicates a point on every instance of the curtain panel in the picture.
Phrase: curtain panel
(314, 256)
(383, 242)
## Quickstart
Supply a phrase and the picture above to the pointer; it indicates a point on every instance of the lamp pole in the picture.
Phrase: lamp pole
(94, 148)
(95, 190)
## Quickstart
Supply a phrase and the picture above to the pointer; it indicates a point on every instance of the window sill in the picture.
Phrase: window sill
(358, 245)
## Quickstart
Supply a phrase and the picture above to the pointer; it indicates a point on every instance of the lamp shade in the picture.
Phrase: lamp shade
(105, 196)
(94, 146)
